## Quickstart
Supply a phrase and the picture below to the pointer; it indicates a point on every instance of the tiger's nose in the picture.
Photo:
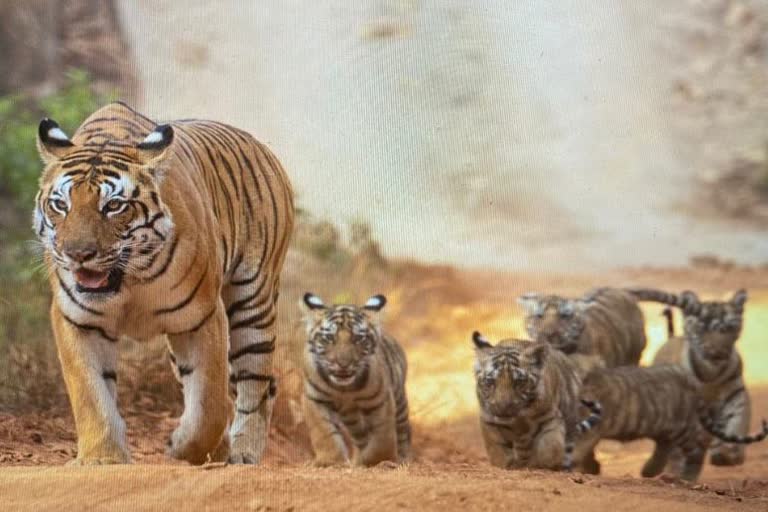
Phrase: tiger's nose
(81, 254)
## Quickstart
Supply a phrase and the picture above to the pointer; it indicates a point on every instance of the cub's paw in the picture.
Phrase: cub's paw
(329, 463)
(726, 459)
(243, 457)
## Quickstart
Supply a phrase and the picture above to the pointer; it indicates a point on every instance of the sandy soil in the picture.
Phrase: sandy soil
(450, 472)
(450, 468)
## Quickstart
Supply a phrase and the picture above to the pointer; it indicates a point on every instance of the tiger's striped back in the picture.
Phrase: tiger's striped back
(603, 328)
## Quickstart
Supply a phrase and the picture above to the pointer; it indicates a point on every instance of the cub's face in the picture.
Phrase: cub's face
(554, 320)
(713, 330)
(98, 212)
(342, 339)
(509, 375)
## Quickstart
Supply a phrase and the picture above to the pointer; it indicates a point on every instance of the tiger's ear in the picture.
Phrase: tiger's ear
(739, 298)
(538, 354)
(313, 302)
(313, 310)
(52, 142)
(375, 303)
(480, 341)
(154, 147)
(530, 302)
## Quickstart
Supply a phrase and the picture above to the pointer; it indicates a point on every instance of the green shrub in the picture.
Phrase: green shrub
(19, 162)
(27, 357)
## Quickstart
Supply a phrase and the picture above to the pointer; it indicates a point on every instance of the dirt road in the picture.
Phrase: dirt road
(450, 470)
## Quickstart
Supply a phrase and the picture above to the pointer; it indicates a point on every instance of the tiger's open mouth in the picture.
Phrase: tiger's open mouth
(92, 281)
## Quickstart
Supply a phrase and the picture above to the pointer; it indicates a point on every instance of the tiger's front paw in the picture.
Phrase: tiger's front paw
(195, 450)
(99, 461)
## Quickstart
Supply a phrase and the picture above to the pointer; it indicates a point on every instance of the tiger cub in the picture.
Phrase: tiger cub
(605, 328)
(529, 404)
(663, 403)
(707, 350)
(354, 379)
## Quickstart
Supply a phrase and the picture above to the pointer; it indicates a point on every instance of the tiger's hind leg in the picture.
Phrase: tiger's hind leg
(658, 461)
(694, 452)
(403, 428)
(252, 311)
(736, 413)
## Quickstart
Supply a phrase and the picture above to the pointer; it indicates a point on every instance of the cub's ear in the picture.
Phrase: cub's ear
(530, 302)
(153, 148)
(739, 298)
(480, 341)
(538, 354)
(313, 310)
(375, 303)
(313, 302)
(52, 142)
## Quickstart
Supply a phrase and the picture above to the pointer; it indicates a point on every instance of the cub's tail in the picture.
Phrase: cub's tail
(670, 322)
(709, 425)
(687, 301)
(595, 415)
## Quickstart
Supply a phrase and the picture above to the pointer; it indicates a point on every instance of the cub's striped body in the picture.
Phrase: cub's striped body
(663, 403)
(530, 407)
(603, 328)
(354, 384)
(177, 230)
(707, 350)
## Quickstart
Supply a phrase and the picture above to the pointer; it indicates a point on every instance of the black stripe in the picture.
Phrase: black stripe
(370, 410)
(197, 326)
(167, 263)
(733, 395)
(245, 375)
(264, 347)
(253, 321)
(88, 327)
(74, 300)
(109, 375)
(238, 305)
(326, 403)
(184, 302)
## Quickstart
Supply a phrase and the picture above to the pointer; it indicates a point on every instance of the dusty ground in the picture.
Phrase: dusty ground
(450, 470)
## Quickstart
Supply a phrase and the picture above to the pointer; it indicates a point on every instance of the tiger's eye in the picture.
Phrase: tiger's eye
(59, 205)
(113, 206)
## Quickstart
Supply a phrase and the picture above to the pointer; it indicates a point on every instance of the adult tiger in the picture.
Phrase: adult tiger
(707, 350)
(530, 406)
(178, 229)
(354, 379)
(603, 328)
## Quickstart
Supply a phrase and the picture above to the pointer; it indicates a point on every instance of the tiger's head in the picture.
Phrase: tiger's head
(712, 328)
(555, 320)
(342, 339)
(509, 375)
(98, 212)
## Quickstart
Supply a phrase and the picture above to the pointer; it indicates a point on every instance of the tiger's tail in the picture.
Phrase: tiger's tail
(709, 425)
(595, 415)
(687, 301)
(670, 322)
